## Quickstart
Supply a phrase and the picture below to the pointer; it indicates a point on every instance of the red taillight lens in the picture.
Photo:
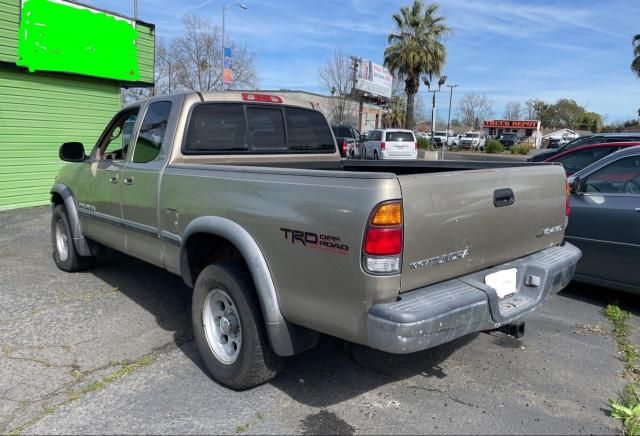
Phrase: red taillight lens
(266, 98)
(382, 145)
(567, 206)
(382, 241)
(344, 146)
(415, 146)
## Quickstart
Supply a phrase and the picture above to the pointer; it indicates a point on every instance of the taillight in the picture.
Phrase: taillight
(266, 98)
(344, 146)
(383, 239)
(382, 145)
(567, 205)
(415, 146)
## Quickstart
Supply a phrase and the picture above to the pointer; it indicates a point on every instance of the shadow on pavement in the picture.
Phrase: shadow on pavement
(599, 296)
(161, 293)
(336, 371)
(332, 372)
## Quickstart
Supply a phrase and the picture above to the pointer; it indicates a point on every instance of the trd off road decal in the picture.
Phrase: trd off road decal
(315, 240)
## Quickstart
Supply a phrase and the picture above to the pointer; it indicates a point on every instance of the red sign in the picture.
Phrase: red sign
(514, 124)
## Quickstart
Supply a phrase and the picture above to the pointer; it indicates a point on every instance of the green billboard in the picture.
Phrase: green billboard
(61, 36)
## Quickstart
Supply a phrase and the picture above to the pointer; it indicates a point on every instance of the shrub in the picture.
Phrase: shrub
(519, 149)
(423, 143)
(493, 146)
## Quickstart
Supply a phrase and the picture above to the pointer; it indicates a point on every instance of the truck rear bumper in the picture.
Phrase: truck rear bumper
(440, 313)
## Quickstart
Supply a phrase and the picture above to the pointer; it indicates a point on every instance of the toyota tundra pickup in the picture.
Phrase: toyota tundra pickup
(245, 196)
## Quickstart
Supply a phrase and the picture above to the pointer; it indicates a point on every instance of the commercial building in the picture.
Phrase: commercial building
(528, 130)
(62, 66)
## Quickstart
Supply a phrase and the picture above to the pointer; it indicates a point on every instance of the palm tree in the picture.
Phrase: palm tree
(635, 65)
(415, 49)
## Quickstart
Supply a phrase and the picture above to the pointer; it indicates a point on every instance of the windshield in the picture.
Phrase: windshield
(440, 133)
(509, 135)
(472, 135)
(400, 136)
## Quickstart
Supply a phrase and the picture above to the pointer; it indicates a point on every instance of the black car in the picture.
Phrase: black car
(508, 139)
(596, 138)
(347, 138)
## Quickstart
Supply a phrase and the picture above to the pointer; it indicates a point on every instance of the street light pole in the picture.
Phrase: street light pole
(449, 117)
(433, 105)
(224, 8)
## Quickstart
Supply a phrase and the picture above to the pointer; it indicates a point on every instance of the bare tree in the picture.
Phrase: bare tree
(336, 76)
(474, 109)
(197, 55)
(192, 62)
(532, 106)
(513, 110)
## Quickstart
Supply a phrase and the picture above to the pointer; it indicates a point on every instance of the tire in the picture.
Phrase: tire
(216, 328)
(64, 252)
(375, 155)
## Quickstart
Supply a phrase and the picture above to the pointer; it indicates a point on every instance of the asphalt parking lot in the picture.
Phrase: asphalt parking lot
(110, 351)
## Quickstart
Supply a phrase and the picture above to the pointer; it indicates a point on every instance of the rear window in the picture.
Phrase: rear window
(238, 128)
(400, 136)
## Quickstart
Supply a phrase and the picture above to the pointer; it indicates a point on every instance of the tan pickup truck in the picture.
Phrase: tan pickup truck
(246, 197)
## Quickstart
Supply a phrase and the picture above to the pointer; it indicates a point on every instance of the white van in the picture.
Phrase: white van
(390, 144)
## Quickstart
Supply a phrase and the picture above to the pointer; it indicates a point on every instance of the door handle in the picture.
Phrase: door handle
(113, 179)
(503, 197)
(128, 180)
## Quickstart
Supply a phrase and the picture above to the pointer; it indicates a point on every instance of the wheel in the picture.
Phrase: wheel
(229, 329)
(375, 155)
(64, 252)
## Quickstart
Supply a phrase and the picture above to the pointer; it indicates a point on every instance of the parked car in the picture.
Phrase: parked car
(472, 141)
(509, 139)
(245, 196)
(348, 139)
(597, 138)
(391, 144)
(605, 221)
(580, 157)
(441, 137)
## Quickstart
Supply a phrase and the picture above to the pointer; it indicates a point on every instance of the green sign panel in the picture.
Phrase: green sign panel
(60, 36)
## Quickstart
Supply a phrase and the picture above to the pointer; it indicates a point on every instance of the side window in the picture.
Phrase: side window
(580, 159)
(619, 177)
(152, 131)
(114, 143)
(217, 127)
(266, 128)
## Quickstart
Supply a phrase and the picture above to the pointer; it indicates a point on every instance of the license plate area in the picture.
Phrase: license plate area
(504, 282)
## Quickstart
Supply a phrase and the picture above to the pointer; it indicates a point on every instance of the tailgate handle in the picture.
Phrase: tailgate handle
(503, 197)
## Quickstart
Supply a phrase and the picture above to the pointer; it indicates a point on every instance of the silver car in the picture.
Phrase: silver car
(605, 221)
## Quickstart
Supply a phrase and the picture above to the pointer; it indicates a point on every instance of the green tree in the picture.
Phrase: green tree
(635, 64)
(395, 116)
(415, 50)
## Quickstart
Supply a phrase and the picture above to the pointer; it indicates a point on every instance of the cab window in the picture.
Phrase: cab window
(114, 142)
(152, 132)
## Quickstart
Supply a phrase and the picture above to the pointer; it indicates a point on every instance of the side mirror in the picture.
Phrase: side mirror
(72, 152)
(576, 185)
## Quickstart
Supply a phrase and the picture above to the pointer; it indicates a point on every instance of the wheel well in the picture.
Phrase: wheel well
(56, 198)
(203, 249)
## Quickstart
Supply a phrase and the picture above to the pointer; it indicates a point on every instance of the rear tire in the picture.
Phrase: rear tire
(375, 155)
(64, 251)
(229, 329)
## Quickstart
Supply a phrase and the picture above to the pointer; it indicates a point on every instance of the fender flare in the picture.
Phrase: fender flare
(79, 241)
(286, 339)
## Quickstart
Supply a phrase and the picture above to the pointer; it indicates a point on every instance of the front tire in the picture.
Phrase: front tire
(64, 251)
(229, 329)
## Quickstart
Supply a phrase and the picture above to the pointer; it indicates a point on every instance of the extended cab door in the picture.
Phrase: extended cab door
(99, 193)
(141, 181)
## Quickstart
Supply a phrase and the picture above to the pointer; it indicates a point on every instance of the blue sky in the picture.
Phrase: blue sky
(506, 49)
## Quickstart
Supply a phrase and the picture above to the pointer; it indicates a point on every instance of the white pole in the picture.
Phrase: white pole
(222, 71)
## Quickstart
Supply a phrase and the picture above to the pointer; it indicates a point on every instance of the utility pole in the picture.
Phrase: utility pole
(449, 117)
(355, 62)
(224, 8)
(135, 9)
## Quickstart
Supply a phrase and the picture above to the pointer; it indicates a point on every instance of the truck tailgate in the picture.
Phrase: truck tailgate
(459, 222)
